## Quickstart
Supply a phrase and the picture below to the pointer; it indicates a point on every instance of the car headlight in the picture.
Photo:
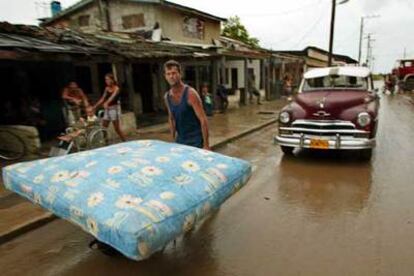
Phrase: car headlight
(364, 119)
(284, 117)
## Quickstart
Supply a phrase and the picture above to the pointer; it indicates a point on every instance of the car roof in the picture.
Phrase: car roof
(354, 71)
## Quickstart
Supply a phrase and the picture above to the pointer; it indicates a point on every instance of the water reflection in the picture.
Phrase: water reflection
(324, 184)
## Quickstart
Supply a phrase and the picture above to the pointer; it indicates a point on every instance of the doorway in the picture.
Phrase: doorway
(143, 85)
(234, 79)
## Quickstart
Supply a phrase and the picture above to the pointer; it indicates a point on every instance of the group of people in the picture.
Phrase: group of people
(221, 96)
(187, 109)
(187, 117)
(78, 105)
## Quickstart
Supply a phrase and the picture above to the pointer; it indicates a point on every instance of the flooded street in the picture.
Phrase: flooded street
(316, 213)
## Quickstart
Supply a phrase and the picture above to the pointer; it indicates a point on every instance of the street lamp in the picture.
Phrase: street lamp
(332, 29)
(361, 33)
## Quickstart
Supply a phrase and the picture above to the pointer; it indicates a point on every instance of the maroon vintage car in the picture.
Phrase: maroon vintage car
(336, 108)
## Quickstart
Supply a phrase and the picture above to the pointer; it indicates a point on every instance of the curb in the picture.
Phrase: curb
(26, 227)
(48, 217)
(243, 133)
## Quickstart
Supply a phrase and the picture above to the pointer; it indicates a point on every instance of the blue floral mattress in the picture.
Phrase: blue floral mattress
(135, 196)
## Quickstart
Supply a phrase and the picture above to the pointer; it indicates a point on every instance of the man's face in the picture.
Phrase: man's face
(172, 75)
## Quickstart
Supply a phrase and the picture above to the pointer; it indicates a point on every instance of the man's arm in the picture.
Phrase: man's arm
(65, 96)
(85, 99)
(171, 120)
(195, 101)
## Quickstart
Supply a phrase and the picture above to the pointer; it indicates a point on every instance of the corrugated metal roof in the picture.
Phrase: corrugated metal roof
(11, 41)
(127, 45)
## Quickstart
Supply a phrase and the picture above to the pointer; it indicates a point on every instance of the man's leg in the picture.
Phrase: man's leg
(250, 96)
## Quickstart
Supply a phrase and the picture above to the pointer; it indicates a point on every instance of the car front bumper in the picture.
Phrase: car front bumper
(332, 142)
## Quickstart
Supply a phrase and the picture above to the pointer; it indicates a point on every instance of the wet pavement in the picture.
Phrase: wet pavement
(317, 213)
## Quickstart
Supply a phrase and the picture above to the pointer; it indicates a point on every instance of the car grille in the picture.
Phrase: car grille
(323, 128)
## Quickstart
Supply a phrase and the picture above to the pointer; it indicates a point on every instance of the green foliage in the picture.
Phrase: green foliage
(377, 77)
(233, 28)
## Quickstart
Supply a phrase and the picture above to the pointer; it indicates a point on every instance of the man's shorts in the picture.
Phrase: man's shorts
(112, 113)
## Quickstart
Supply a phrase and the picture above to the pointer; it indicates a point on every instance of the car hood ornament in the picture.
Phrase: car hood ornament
(321, 103)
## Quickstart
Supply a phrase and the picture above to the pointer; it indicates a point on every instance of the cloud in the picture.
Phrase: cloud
(370, 6)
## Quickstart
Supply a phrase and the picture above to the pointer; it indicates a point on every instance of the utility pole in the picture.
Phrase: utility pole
(331, 35)
(369, 50)
(372, 64)
(361, 33)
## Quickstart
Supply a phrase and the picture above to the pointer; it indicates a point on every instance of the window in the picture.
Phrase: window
(408, 64)
(83, 20)
(205, 74)
(193, 27)
(133, 21)
(190, 75)
(335, 81)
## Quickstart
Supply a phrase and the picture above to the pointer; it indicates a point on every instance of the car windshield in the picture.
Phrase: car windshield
(335, 82)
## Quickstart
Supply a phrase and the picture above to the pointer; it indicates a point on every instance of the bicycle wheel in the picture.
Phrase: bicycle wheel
(98, 138)
(12, 147)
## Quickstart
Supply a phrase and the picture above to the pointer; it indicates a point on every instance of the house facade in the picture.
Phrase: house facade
(160, 22)
(175, 22)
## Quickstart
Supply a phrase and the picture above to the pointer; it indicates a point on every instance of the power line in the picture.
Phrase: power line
(311, 29)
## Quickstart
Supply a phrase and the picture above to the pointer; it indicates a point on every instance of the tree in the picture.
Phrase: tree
(233, 28)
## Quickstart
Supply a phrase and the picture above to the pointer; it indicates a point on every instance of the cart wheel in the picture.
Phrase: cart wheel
(104, 248)
(12, 147)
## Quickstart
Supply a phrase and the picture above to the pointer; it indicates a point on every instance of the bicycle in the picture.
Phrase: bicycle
(12, 147)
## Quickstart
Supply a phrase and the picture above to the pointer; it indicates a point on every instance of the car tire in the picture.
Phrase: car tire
(287, 150)
(365, 154)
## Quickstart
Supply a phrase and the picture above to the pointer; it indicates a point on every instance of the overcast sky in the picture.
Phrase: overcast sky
(291, 24)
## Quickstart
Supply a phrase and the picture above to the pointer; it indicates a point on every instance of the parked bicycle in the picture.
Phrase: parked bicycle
(12, 147)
